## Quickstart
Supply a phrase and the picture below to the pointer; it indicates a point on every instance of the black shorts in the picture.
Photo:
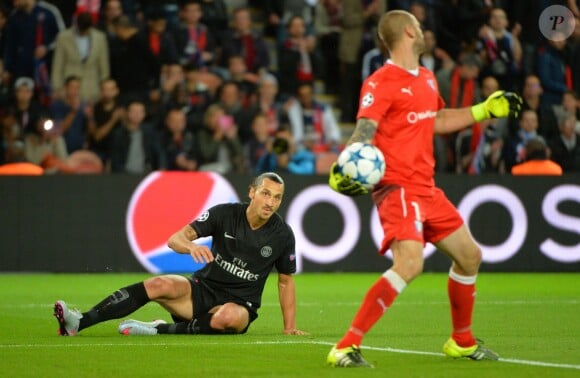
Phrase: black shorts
(204, 298)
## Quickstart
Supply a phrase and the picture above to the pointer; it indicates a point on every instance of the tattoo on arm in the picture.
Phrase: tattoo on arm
(364, 131)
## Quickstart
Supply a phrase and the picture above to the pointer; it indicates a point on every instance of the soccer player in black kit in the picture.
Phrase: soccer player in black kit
(249, 239)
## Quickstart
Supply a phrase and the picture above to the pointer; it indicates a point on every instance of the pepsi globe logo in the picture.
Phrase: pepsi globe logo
(163, 203)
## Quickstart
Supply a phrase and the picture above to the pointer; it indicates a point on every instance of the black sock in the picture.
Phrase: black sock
(199, 325)
(117, 305)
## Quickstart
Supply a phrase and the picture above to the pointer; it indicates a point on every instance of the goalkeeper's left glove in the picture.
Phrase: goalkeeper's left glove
(499, 104)
(344, 184)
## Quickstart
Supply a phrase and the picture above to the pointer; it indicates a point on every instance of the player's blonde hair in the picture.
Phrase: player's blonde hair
(392, 25)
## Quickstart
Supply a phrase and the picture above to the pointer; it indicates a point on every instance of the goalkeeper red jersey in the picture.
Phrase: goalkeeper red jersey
(405, 105)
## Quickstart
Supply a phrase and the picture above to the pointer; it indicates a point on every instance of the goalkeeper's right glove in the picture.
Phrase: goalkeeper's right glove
(499, 104)
(344, 184)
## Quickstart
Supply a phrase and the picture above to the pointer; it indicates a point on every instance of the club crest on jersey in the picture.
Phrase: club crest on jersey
(266, 251)
(203, 217)
(367, 100)
(431, 83)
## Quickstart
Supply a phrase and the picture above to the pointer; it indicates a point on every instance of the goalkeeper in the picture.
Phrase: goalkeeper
(400, 110)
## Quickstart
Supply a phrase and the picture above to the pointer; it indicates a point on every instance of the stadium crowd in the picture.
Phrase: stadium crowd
(130, 86)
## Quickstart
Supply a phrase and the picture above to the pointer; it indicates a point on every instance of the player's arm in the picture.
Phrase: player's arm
(498, 105)
(287, 296)
(181, 242)
(364, 132)
(450, 120)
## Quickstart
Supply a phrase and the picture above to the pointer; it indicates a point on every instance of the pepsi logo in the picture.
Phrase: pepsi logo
(163, 203)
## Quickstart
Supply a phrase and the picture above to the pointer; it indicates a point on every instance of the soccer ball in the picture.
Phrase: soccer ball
(363, 162)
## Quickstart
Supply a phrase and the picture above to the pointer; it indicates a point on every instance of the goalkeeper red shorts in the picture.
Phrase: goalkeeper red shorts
(408, 216)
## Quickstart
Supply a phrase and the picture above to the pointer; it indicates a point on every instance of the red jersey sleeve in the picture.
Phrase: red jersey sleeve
(375, 101)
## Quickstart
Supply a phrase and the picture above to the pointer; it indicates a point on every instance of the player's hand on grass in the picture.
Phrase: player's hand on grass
(499, 104)
(201, 254)
(294, 331)
(344, 184)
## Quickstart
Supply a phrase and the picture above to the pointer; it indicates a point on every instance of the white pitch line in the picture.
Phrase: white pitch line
(314, 342)
(335, 304)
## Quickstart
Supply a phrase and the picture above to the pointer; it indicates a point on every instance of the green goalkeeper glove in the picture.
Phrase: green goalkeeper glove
(344, 184)
(499, 104)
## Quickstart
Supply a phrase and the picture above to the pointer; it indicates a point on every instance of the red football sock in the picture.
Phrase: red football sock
(377, 300)
(461, 290)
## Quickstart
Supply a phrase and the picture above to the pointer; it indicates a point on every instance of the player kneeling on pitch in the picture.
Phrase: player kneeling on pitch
(249, 239)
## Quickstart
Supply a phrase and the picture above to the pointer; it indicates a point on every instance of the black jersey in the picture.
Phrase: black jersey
(243, 257)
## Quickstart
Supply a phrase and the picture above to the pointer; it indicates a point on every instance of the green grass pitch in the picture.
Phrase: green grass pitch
(531, 320)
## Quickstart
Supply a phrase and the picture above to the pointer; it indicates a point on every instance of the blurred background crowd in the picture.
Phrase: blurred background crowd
(242, 86)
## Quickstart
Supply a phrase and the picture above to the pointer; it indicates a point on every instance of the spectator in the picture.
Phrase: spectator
(25, 108)
(107, 117)
(554, 71)
(111, 11)
(373, 59)
(424, 14)
(458, 24)
(30, 35)
(313, 124)
(434, 58)
(71, 115)
(230, 99)
(532, 97)
(215, 17)
(219, 148)
(501, 51)
(525, 16)
(565, 147)
(178, 142)
(161, 44)
(45, 145)
(297, 59)
(355, 16)
(11, 139)
(280, 12)
(536, 161)
(83, 51)
(282, 155)
(242, 40)
(132, 64)
(135, 147)
(267, 103)
(514, 150)
(195, 42)
(479, 149)
(327, 29)
(194, 96)
(458, 85)
(246, 81)
(569, 105)
(257, 145)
